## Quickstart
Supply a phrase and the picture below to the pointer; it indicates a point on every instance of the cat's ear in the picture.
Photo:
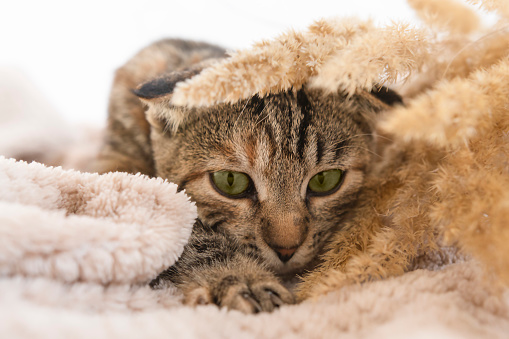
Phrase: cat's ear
(157, 94)
(387, 96)
(163, 86)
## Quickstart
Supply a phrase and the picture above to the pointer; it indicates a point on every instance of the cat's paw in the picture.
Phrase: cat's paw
(253, 297)
(245, 295)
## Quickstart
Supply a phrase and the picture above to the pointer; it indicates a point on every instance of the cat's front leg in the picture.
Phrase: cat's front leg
(215, 269)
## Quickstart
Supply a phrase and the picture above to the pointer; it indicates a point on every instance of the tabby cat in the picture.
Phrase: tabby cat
(272, 177)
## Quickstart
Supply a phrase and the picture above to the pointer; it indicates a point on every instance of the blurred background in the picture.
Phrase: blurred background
(65, 52)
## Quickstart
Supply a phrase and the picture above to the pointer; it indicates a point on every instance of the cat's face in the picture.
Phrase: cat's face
(248, 167)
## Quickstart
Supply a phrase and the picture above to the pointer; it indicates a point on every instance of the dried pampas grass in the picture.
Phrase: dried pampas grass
(499, 6)
(351, 54)
(380, 57)
(331, 54)
(448, 15)
(454, 111)
(270, 66)
(444, 175)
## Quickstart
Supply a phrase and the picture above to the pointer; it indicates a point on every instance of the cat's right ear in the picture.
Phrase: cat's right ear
(387, 96)
(157, 94)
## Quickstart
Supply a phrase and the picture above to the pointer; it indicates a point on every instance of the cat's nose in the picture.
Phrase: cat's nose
(285, 254)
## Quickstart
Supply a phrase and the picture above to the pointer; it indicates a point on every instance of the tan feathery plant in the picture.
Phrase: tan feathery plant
(453, 134)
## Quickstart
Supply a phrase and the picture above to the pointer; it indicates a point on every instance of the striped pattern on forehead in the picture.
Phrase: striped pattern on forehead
(292, 131)
(281, 119)
(288, 129)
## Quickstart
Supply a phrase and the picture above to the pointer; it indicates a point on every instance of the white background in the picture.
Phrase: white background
(70, 49)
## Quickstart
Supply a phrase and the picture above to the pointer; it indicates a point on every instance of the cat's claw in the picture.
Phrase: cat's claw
(260, 296)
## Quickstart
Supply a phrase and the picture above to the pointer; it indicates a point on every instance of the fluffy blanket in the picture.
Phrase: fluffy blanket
(77, 249)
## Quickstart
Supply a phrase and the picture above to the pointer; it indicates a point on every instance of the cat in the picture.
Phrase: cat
(273, 177)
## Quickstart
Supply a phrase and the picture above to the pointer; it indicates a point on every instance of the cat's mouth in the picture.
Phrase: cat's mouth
(285, 254)
(289, 262)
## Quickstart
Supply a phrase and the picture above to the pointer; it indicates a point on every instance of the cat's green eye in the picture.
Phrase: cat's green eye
(231, 183)
(326, 181)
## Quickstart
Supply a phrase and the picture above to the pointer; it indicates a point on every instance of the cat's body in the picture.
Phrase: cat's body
(243, 244)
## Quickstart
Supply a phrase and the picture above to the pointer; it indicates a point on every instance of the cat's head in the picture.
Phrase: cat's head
(278, 173)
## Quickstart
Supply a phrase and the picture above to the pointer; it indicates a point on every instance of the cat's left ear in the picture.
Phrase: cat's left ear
(387, 96)
(157, 94)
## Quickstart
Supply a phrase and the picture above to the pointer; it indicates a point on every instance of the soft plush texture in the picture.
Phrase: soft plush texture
(77, 249)
(72, 227)
(422, 304)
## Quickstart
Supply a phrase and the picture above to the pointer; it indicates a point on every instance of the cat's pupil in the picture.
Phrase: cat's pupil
(321, 178)
(229, 178)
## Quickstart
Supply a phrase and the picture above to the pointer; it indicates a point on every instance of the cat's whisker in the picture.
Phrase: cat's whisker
(363, 148)
(265, 117)
(241, 112)
(384, 137)
(369, 135)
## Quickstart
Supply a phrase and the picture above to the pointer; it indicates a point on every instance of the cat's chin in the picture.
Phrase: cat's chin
(285, 270)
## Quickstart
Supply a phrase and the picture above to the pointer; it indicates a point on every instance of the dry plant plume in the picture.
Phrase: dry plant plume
(466, 121)
(449, 16)
(444, 181)
(444, 178)
(317, 55)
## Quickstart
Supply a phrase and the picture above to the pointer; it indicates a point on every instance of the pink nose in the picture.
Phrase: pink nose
(285, 254)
